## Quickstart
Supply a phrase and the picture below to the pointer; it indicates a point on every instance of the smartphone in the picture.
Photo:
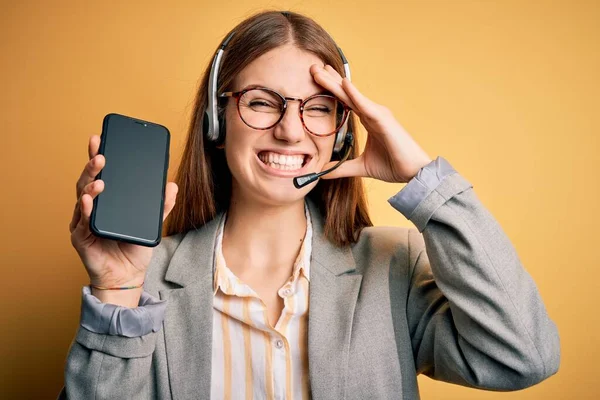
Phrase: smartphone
(130, 209)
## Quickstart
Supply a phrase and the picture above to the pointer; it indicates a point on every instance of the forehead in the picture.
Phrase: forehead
(285, 69)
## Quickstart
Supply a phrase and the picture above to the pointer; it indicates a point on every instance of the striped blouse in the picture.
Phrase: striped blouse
(250, 358)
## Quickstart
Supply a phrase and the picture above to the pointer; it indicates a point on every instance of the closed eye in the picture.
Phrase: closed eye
(315, 111)
(261, 105)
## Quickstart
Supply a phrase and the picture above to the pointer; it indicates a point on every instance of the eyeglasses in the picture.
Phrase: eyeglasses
(263, 108)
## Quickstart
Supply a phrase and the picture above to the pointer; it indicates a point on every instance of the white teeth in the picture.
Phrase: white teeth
(281, 161)
(284, 167)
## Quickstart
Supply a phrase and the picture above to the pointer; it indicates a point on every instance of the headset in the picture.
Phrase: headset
(212, 124)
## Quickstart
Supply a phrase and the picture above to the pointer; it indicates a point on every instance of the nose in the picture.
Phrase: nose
(290, 128)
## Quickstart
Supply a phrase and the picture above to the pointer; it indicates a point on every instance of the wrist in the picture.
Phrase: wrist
(127, 298)
(418, 167)
(128, 287)
(109, 282)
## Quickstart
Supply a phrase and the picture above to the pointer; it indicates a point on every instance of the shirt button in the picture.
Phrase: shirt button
(279, 343)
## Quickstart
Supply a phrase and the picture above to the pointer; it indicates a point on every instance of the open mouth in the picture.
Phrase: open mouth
(282, 161)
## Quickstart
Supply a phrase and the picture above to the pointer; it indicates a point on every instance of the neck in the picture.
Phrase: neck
(259, 236)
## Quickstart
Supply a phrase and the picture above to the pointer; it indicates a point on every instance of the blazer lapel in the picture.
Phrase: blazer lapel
(334, 288)
(188, 318)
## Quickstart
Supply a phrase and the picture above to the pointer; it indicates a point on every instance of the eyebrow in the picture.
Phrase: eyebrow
(258, 86)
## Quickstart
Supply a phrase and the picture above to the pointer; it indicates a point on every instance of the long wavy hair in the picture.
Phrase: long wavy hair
(203, 177)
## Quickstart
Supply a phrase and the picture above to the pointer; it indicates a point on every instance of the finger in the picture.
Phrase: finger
(93, 189)
(334, 73)
(170, 198)
(82, 230)
(93, 146)
(327, 81)
(89, 173)
(76, 216)
(330, 81)
(363, 104)
(354, 167)
(86, 202)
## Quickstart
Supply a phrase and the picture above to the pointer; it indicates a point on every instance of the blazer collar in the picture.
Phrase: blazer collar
(193, 260)
(335, 260)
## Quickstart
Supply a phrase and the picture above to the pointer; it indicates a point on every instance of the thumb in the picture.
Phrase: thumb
(170, 197)
(354, 167)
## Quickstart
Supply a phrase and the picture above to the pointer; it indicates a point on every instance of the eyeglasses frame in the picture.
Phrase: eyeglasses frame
(237, 95)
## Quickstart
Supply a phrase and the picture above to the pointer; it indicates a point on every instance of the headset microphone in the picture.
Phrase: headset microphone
(303, 180)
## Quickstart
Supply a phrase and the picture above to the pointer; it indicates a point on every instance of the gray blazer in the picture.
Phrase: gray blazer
(377, 315)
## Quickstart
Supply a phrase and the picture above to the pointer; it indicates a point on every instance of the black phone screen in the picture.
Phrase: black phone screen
(137, 157)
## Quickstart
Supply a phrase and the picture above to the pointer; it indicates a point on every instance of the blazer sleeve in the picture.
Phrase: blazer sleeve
(111, 355)
(475, 315)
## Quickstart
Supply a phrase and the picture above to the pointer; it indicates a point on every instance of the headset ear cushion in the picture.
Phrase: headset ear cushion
(222, 124)
(222, 129)
(335, 155)
(205, 124)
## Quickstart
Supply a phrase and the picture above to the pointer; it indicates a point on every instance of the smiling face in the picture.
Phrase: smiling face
(263, 162)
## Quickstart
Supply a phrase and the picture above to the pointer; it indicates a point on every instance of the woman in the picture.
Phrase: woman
(262, 290)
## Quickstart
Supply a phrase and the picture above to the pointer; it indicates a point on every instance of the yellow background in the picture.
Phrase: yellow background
(507, 91)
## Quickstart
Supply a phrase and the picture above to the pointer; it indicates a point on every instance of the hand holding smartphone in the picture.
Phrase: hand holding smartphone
(111, 259)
